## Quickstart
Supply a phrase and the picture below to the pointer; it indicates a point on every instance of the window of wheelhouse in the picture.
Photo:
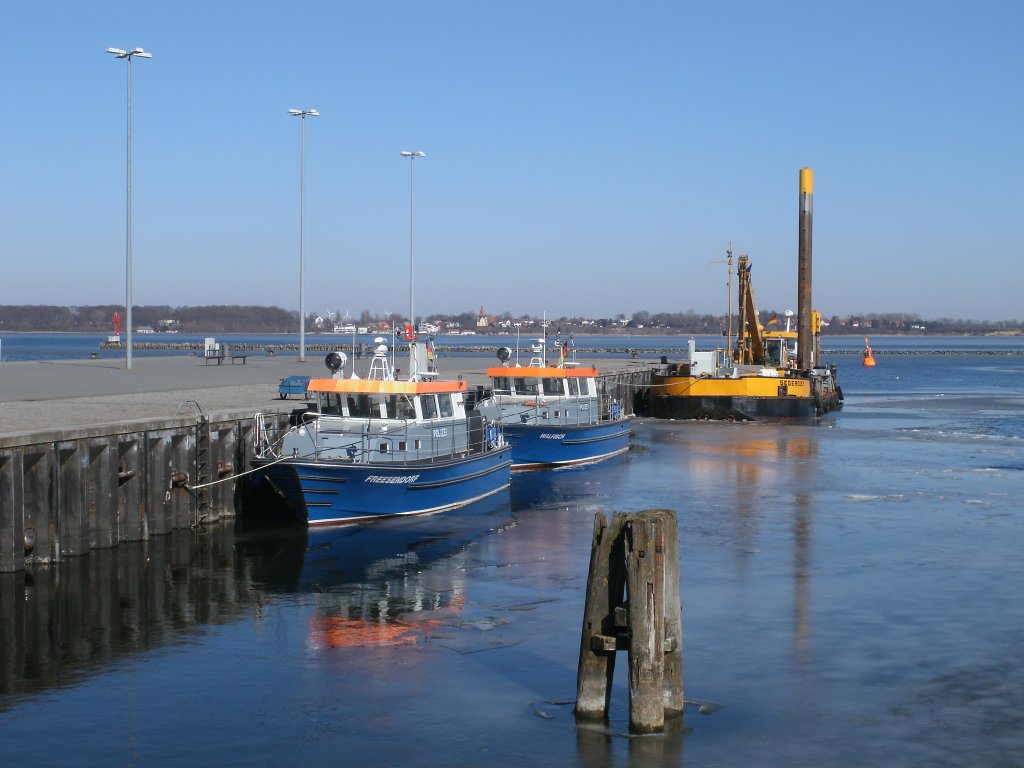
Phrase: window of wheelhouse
(428, 406)
(400, 407)
(553, 387)
(358, 406)
(574, 386)
(444, 404)
(585, 388)
(527, 386)
(330, 403)
(501, 385)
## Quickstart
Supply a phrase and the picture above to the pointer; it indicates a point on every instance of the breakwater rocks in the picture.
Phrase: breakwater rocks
(361, 348)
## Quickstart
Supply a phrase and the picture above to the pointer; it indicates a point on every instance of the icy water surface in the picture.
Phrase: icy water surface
(852, 595)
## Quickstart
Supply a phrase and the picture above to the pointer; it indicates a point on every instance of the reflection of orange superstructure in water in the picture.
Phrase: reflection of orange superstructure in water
(342, 632)
(869, 356)
(333, 631)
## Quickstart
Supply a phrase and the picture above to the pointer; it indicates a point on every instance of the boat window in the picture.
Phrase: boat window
(330, 403)
(527, 386)
(574, 386)
(553, 387)
(400, 407)
(359, 406)
(773, 353)
(428, 405)
(401, 445)
(585, 388)
(501, 385)
(444, 403)
(383, 447)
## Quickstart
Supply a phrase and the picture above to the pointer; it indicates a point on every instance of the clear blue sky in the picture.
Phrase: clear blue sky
(583, 158)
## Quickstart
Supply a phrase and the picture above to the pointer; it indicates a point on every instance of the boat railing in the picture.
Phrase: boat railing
(441, 442)
(557, 410)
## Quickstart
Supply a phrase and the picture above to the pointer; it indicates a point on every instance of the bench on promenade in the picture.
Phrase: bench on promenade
(220, 355)
(221, 352)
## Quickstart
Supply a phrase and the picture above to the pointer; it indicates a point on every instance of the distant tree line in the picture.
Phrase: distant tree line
(253, 319)
(99, 319)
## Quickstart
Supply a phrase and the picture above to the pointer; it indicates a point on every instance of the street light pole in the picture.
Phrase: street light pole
(128, 55)
(412, 230)
(303, 113)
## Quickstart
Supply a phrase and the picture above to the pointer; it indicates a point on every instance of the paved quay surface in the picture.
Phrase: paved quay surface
(42, 396)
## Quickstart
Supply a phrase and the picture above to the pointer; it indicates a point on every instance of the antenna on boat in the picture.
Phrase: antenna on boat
(413, 361)
(544, 343)
(728, 304)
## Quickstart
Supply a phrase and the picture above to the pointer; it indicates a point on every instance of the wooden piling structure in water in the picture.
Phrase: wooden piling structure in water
(65, 493)
(627, 387)
(632, 604)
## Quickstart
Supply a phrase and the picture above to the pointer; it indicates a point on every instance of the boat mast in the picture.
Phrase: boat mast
(413, 351)
(728, 305)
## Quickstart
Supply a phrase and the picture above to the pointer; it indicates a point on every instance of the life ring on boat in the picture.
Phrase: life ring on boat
(532, 403)
(410, 334)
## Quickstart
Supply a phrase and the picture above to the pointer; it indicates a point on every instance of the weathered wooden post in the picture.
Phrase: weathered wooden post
(101, 491)
(673, 687)
(71, 519)
(132, 506)
(645, 572)
(605, 588)
(12, 531)
(638, 553)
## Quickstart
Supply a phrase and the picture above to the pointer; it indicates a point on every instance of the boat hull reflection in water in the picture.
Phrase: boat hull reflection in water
(387, 583)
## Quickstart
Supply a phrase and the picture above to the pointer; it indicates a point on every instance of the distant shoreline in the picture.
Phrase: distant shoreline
(577, 333)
